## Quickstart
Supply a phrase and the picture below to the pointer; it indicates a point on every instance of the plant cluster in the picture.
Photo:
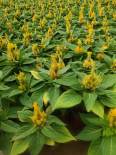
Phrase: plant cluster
(56, 55)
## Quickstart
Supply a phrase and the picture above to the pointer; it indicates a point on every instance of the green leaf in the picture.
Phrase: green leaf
(24, 132)
(37, 143)
(92, 120)
(20, 146)
(95, 148)
(53, 119)
(98, 109)
(90, 133)
(5, 143)
(1, 75)
(14, 92)
(29, 61)
(57, 133)
(3, 87)
(104, 146)
(25, 100)
(108, 81)
(50, 142)
(63, 70)
(9, 126)
(24, 115)
(71, 46)
(37, 96)
(54, 93)
(70, 81)
(108, 145)
(12, 112)
(36, 75)
(89, 100)
(10, 78)
(67, 100)
(109, 100)
(6, 70)
(67, 80)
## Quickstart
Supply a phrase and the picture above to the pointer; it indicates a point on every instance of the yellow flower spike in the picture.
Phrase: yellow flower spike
(42, 22)
(68, 22)
(56, 64)
(104, 47)
(54, 61)
(38, 118)
(17, 13)
(61, 64)
(78, 1)
(59, 50)
(90, 28)
(114, 3)
(5, 12)
(91, 5)
(49, 33)
(1, 2)
(100, 10)
(54, 67)
(27, 35)
(89, 54)
(84, 2)
(105, 21)
(25, 27)
(12, 52)
(81, 15)
(49, 15)
(26, 38)
(91, 81)
(100, 56)
(112, 117)
(79, 49)
(3, 42)
(36, 107)
(34, 17)
(114, 15)
(11, 46)
(70, 38)
(92, 14)
(53, 74)
(35, 49)
(79, 42)
(89, 39)
(68, 27)
(108, 39)
(21, 77)
(113, 67)
(9, 26)
(89, 62)
(94, 22)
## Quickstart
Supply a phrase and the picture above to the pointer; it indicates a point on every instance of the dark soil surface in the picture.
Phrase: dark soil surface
(72, 148)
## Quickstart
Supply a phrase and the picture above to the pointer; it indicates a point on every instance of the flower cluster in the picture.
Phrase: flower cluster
(38, 118)
(112, 117)
(21, 77)
(91, 81)
(12, 52)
